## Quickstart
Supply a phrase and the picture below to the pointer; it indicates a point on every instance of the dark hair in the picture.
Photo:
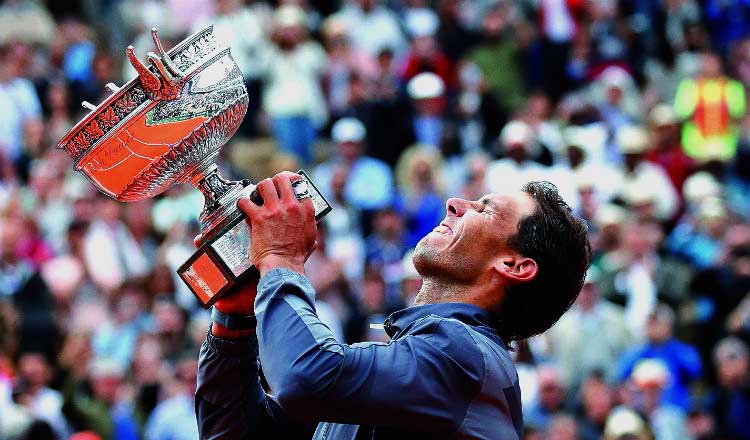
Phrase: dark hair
(558, 241)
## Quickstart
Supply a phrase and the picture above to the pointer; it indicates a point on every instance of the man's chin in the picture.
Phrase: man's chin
(425, 257)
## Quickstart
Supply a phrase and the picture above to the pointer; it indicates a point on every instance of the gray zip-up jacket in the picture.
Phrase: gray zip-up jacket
(444, 375)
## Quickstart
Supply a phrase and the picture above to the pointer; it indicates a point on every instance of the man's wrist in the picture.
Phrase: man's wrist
(271, 262)
(219, 331)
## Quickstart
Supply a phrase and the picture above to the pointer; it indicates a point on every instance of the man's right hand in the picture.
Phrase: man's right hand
(238, 301)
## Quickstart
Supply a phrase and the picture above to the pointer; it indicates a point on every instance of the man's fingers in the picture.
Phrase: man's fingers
(308, 208)
(267, 190)
(248, 207)
(283, 184)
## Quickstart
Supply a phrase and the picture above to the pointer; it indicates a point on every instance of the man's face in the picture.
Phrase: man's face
(732, 371)
(473, 236)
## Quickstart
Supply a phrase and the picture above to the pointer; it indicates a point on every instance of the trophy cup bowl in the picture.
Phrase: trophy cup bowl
(166, 126)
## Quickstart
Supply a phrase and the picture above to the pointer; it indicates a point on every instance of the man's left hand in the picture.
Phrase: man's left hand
(282, 230)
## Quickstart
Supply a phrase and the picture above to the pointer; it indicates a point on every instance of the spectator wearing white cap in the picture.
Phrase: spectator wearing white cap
(583, 154)
(427, 91)
(615, 95)
(633, 141)
(293, 98)
(369, 181)
(425, 54)
(517, 143)
(649, 380)
(667, 147)
(680, 360)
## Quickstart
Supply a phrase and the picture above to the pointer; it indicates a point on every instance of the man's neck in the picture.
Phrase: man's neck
(440, 290)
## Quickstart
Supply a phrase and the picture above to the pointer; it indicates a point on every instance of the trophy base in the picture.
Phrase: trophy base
(224, 260)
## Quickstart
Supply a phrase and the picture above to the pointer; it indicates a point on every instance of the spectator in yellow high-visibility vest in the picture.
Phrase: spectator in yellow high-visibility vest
(711, 105)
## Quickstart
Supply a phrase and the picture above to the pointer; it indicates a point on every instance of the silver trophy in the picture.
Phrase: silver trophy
(165, 127)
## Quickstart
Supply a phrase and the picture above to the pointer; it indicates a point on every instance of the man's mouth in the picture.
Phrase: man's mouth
(443, 228)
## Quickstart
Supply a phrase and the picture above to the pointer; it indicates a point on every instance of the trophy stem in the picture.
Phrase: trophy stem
(219, 194)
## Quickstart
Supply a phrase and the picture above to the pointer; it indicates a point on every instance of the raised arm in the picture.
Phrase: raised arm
(230, 403)
(425, 381)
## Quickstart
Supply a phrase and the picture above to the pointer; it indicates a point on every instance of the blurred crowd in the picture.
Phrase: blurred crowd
(637, 111)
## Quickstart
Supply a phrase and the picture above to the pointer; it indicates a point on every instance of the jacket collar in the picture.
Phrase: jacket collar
(469, 314)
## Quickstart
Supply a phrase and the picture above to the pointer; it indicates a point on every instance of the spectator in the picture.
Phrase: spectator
(591, 336)
(642, 177)
(293, 98)
(421, 201)
(551, 399)
(18, 101)
(666, 149)
(104, 412)
(597, 400)
(648, 381)
(497, 56)
(174, 418)
(42, 402)
(427, 91)
(369, 182)
(711, 105)
(425, 55)
(733, 398)
(518, 143)
(681, 362)
(372, 26)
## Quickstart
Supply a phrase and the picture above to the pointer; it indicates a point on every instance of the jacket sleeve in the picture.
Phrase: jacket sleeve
(421, 381)
(230, 403)
(228, 398)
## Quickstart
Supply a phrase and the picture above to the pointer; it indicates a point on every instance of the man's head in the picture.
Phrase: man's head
(732, 360)
(349, 136)
(521, 255)
(660, 324)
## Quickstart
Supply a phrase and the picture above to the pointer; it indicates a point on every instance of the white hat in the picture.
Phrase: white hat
(289, 15)
(624, 421)
(632, 139)
(422, 22)
(425, 86)
(610, 214)
(105, 367)
(663, 114)
(711, 208)
(615, 76)
(700, 186)
(639, 192)
(348, 130)
(516, 133)
(649, 372)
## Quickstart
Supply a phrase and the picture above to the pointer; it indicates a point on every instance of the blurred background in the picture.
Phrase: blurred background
(637, 111)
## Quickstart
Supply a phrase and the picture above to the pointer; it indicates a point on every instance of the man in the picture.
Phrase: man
(591, 337)
(732, 401)
(495, 270)
(711, 105)
(682, 360)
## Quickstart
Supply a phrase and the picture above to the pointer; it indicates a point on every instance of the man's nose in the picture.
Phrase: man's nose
(457, 207)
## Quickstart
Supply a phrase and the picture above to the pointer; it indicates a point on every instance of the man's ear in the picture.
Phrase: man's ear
(516, 269)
